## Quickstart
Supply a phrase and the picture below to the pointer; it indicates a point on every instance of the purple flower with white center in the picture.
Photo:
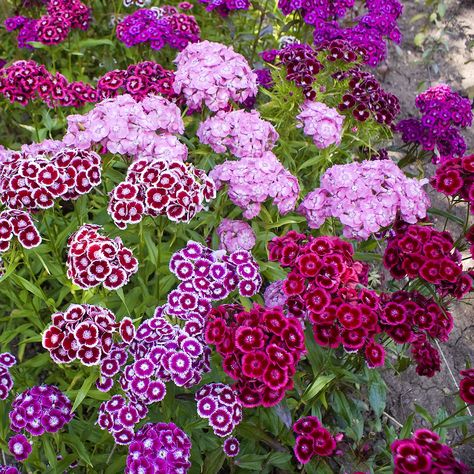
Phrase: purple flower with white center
(20, 447)
(143, 368)
(9, 470)
(235, 235)
(7, 360)
(156, 391)
(231, 447)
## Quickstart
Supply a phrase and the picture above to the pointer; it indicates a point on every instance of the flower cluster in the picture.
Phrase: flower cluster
(455, 177)
(7, 360)
(158, 27)
(235, 235)
(19, 224)
(9, 469)
(420, 251)
(40, 409)
(466, 386)
(243, 134)
(312, 439)
(424, 453)
(160, 447)
(443, 114)
(221, 406)
(27, 30)
(366, 197)
(321, 122)
(252, 181)
(33, 181)
(313, 10)
(207, 276)
(84, 332)
(224, 7)
(213, 74)
(160, 186)
(94, 259)
(260, 349)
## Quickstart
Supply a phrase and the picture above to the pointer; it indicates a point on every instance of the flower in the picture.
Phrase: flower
(466, 386)
(7, 360)
(235, 235)
(231, 447)
(224, 7)
(20, 447)
(19, 224)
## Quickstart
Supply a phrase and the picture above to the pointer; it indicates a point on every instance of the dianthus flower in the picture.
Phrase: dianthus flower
(231, 447)
(243, 134)
(312, 439)
(424, 453)
(274, 294)
(160, 447)
(27, 30)
(136, 3)
(20, 447)
(260, 349)
(9, 469)
(160, 186)
(84, 332)
(7, 361)
(213, 74)
(97, 260)
(313, 10)
(321, 122)
(220, 404)
(420, 251)
(252, 181)
(466, 386)
(366, 197)
(127, 127)
(224, 7)
(235, 235)
(19, 224)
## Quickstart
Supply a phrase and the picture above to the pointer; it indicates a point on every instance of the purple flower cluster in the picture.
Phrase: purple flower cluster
(443, 114)
(365, 197)
(322, 123)
(40, 409)
(160, 447)
(7, 360)
(224, 7)
(220, 404)
(127, 127)
(252, 181)
(9, 469)
(158, 27)
(213, 74)
(316, 10)
(27, 30)
(19, 224)
(243, 134)
(235, 235)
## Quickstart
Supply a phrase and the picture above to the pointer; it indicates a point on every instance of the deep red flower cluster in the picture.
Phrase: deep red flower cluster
(160, 187)
(466, 386)
(260, 350)
(94, 259)
(84, 332)
(33, 182)
(424, 454)
(420, 251)
(19, 224)
(312, 439)
(455, 177)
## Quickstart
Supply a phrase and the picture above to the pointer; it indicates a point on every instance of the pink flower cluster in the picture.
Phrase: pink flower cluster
(312, 439)
(424, 453)
(33, 181)
(213, 74)
(220, 404)
(322, 123)
(84, 332)
(94, 259)
(252, 181)
(366, 197)
(260, 349)
(235, 235)
(18, 224)
(466, 386)
(125, 126)
(7, 360)
(243, 134)
(160, 186)
(160, 447)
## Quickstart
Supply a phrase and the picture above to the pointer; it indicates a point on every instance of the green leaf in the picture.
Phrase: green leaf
(84, 390)
(407, 427)
(251, 461)
(377, 392)
(456, 421)
(77, 445)
(316, 387)
(214, 461)
(423, 413)
(93, 42)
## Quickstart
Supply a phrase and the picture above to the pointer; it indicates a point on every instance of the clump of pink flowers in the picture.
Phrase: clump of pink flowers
(322, 123)
(19, 224)
(84, 332)
(252, 181)
(94, 259)
(7, 361)
(243, 134)
(158, 186)
(235, 235)
(366, 197)
(213, 74)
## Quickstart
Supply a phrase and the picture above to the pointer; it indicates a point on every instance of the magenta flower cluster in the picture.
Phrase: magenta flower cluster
(366, 197)
(220, 404)
(94, 259)
(243, 134)
(7, 361)
(84, 332)
(322, 123)
(19, 224)
(252, 181)
(213, 74)
(224, 7)
(160, 186)
(235, 235)
(10, 469)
